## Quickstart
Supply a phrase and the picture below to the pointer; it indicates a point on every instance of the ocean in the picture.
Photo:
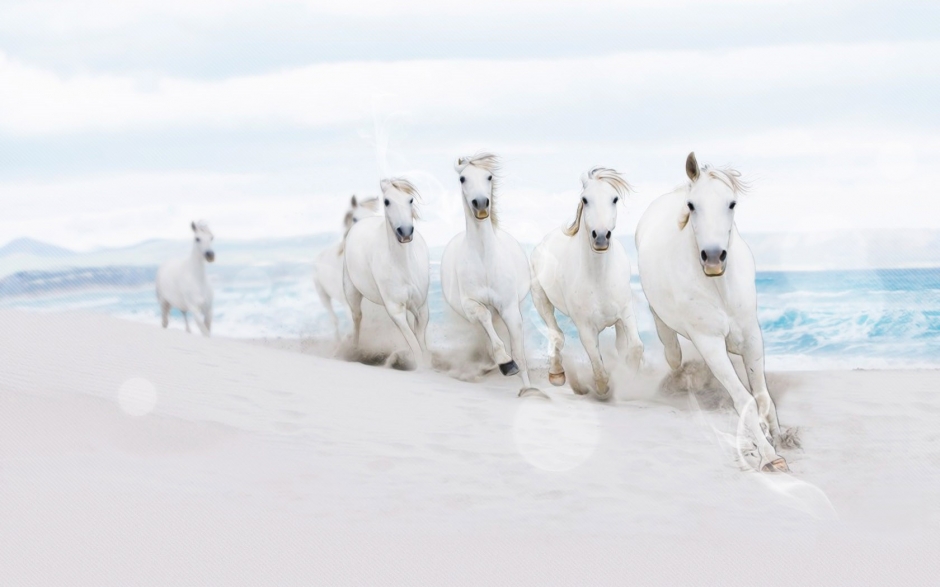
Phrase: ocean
(876, 318)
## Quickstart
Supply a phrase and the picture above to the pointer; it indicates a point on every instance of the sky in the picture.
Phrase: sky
(123, 121)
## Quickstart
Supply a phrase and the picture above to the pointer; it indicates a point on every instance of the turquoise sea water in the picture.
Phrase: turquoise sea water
(829, 319)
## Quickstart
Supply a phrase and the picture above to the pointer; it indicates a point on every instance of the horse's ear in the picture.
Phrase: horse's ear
(460, 164)
(684, 218)
(584, 178)
(193, 225)
(353, 202)
(384, 185)
(691, 166)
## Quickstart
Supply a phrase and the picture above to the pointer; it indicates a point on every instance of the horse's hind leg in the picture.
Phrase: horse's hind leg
(328, 304)
(421, 326)
(165, 312)
(186, 319)
(556, 338)
(480, 313)
(716, 357)
(670, 341)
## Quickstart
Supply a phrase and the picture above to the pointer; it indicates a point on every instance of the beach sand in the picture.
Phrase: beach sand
(131, 455)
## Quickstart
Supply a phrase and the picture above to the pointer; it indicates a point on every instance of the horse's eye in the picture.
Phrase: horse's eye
(198, 240)
(490, 178)
(732, 205)
(584, 201)
(616, 199)
(355, 220)
(691, 207)
(412, 201)
(462, 179)
(386, 201)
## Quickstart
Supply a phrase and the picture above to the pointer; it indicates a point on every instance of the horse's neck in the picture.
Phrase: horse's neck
(593, 263)
(481, 235)
(196, 262)
(397, 251)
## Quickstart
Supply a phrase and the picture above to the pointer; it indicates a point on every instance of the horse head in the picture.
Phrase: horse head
(709, 208)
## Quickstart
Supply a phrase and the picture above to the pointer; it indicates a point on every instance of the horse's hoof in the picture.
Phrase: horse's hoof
(778, 465)
(579, 390)
(510, 368)
(557, 379)
(533, 392)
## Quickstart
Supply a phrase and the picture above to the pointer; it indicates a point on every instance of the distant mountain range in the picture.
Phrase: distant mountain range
(28, 246)
(29, 266)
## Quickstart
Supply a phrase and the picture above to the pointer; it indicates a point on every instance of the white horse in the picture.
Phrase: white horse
(386, 262)
(585, 273)
(698, 275)
(328, 276)
(182, 283)
(484, 270)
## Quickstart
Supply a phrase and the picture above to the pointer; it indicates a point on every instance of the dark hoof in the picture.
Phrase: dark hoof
(778, 465)
(557, 379)
(533, 392)
(510, 368)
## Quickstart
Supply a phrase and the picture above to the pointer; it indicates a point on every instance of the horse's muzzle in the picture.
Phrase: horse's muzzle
(714, 262)
(482, 214)
(714, 271)
(210, 256)
(600, 242)
(405, 235)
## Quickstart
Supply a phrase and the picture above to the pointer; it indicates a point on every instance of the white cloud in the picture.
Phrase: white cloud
(36, 101)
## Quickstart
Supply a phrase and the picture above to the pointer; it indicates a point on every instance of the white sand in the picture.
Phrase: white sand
(259, 466)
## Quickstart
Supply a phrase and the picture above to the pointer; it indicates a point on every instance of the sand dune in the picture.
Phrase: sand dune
(264, 466)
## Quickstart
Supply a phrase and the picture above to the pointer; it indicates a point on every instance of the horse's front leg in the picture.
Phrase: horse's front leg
(477, 312)
(753, 355)
(715, 354)
(398, 312)
(629, 345)
(512, 317)
(354, 300)
(422, 317)
(589, 339)
(556, 338)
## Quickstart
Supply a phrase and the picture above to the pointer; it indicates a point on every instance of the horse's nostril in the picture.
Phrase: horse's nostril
(723, 256)
(704, 256)
(486, 202)
(608, 234)
(593, 234)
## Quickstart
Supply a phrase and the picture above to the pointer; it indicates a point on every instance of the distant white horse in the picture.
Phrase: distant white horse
(386, 262)
(328, 277)
(182, 283)
(484, 270)
(698, 275)
(585, 273)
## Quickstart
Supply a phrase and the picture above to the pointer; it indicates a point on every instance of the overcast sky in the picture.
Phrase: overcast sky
(122, 121)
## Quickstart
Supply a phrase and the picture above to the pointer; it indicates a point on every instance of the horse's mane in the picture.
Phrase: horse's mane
(489, 162)
(403, 185)
(611, 178)
(728, 176)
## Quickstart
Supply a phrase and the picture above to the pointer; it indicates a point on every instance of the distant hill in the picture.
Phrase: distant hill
(28, 246)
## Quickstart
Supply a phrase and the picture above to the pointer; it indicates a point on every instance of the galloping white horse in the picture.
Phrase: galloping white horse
(386, 262)
(484, 270)
(328, 277)
(698, 275)
(585, 273)
(182, 283)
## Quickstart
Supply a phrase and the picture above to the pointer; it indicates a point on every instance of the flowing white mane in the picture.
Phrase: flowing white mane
(728, 176)
(489, 162)
(609, 176)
